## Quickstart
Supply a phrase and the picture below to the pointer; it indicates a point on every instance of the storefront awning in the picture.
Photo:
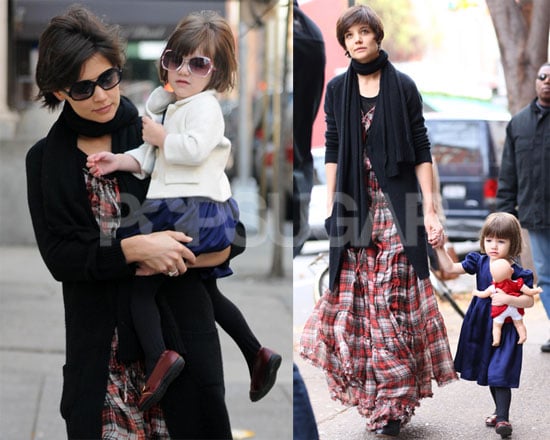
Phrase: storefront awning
(139, 19)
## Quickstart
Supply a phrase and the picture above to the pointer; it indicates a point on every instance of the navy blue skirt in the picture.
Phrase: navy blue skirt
(211, 224)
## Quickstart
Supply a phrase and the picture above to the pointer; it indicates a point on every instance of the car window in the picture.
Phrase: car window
(456, 146)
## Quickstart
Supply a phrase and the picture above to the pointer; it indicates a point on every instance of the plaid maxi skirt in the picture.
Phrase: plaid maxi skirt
(379, 335)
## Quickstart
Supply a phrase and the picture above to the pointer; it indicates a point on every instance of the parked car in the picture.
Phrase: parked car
(468, 152)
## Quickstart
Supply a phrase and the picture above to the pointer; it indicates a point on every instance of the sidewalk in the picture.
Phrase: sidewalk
(456, 411)
(32, 345)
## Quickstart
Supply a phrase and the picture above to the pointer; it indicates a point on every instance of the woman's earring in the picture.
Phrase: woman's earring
(346, 53)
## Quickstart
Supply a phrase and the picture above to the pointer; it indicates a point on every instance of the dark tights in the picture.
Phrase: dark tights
(147, 322)
(231, 319)
(146, 317)
(502, 397)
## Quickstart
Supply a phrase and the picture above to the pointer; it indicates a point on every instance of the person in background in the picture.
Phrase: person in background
(309, 80)
(524, 179)
(75, 217)
(377, 331)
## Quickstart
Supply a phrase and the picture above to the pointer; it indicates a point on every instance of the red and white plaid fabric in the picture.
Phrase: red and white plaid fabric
(379, 335)
(122, 419)
(104, 199)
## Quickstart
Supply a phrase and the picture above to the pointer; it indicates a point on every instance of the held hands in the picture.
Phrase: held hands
(434, 229)
(102, 163)
(153, 132)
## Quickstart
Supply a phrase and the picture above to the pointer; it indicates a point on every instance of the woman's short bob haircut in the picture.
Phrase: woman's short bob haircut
(359, 14)
(210, 34)
(504, 226)
(68, 42)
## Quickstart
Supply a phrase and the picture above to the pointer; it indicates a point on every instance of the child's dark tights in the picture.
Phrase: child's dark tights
(230, 318)
(148, 324)
(146, 318)
(502, 397)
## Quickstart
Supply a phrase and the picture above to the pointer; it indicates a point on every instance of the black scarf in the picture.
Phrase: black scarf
(67, 210)
(66, 205)
(389, 144)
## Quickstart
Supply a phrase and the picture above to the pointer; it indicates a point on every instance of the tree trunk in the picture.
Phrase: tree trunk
(521, 28)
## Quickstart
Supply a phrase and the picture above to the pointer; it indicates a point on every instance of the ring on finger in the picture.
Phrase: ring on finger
(173, 273)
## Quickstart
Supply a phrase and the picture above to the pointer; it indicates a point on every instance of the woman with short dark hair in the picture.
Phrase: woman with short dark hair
(377, 332)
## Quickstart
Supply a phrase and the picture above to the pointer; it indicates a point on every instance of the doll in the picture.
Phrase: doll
(501, 271)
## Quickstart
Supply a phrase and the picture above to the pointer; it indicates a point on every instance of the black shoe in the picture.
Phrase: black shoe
(390, 430)
(545, 348)
(504, 429)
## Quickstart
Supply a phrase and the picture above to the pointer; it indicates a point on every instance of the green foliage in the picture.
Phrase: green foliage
(403, 38)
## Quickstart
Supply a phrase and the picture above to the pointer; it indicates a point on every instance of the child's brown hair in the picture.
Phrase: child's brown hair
(210, 32)
(502, 225)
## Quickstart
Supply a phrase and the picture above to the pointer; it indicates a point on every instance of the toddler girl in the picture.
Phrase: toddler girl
(476, 358)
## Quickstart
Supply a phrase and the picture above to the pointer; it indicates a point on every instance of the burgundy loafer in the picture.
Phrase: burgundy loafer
(264, 373)
(491, 421)
(504, 429)
(168, 367)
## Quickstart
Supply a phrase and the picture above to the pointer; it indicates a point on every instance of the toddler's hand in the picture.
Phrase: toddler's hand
(153, 132)
(500, 298)
(101, 163)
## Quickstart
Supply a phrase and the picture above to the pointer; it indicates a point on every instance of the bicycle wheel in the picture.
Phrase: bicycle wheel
(443, 291)
(320, 284)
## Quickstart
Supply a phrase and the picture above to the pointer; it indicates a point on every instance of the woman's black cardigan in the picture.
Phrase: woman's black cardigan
(94, 276)
(402, 191)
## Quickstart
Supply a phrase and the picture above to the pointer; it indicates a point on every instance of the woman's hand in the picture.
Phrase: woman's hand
(434, 229)
(159, 252)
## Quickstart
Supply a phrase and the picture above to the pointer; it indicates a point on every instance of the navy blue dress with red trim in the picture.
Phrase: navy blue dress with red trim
(476, 358)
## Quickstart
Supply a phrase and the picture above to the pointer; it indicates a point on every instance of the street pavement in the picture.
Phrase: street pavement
(456, 411)
(32, 344)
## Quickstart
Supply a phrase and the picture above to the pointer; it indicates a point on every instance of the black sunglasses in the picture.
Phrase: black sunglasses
(200, 66)
(82, 90)
(542, 76)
